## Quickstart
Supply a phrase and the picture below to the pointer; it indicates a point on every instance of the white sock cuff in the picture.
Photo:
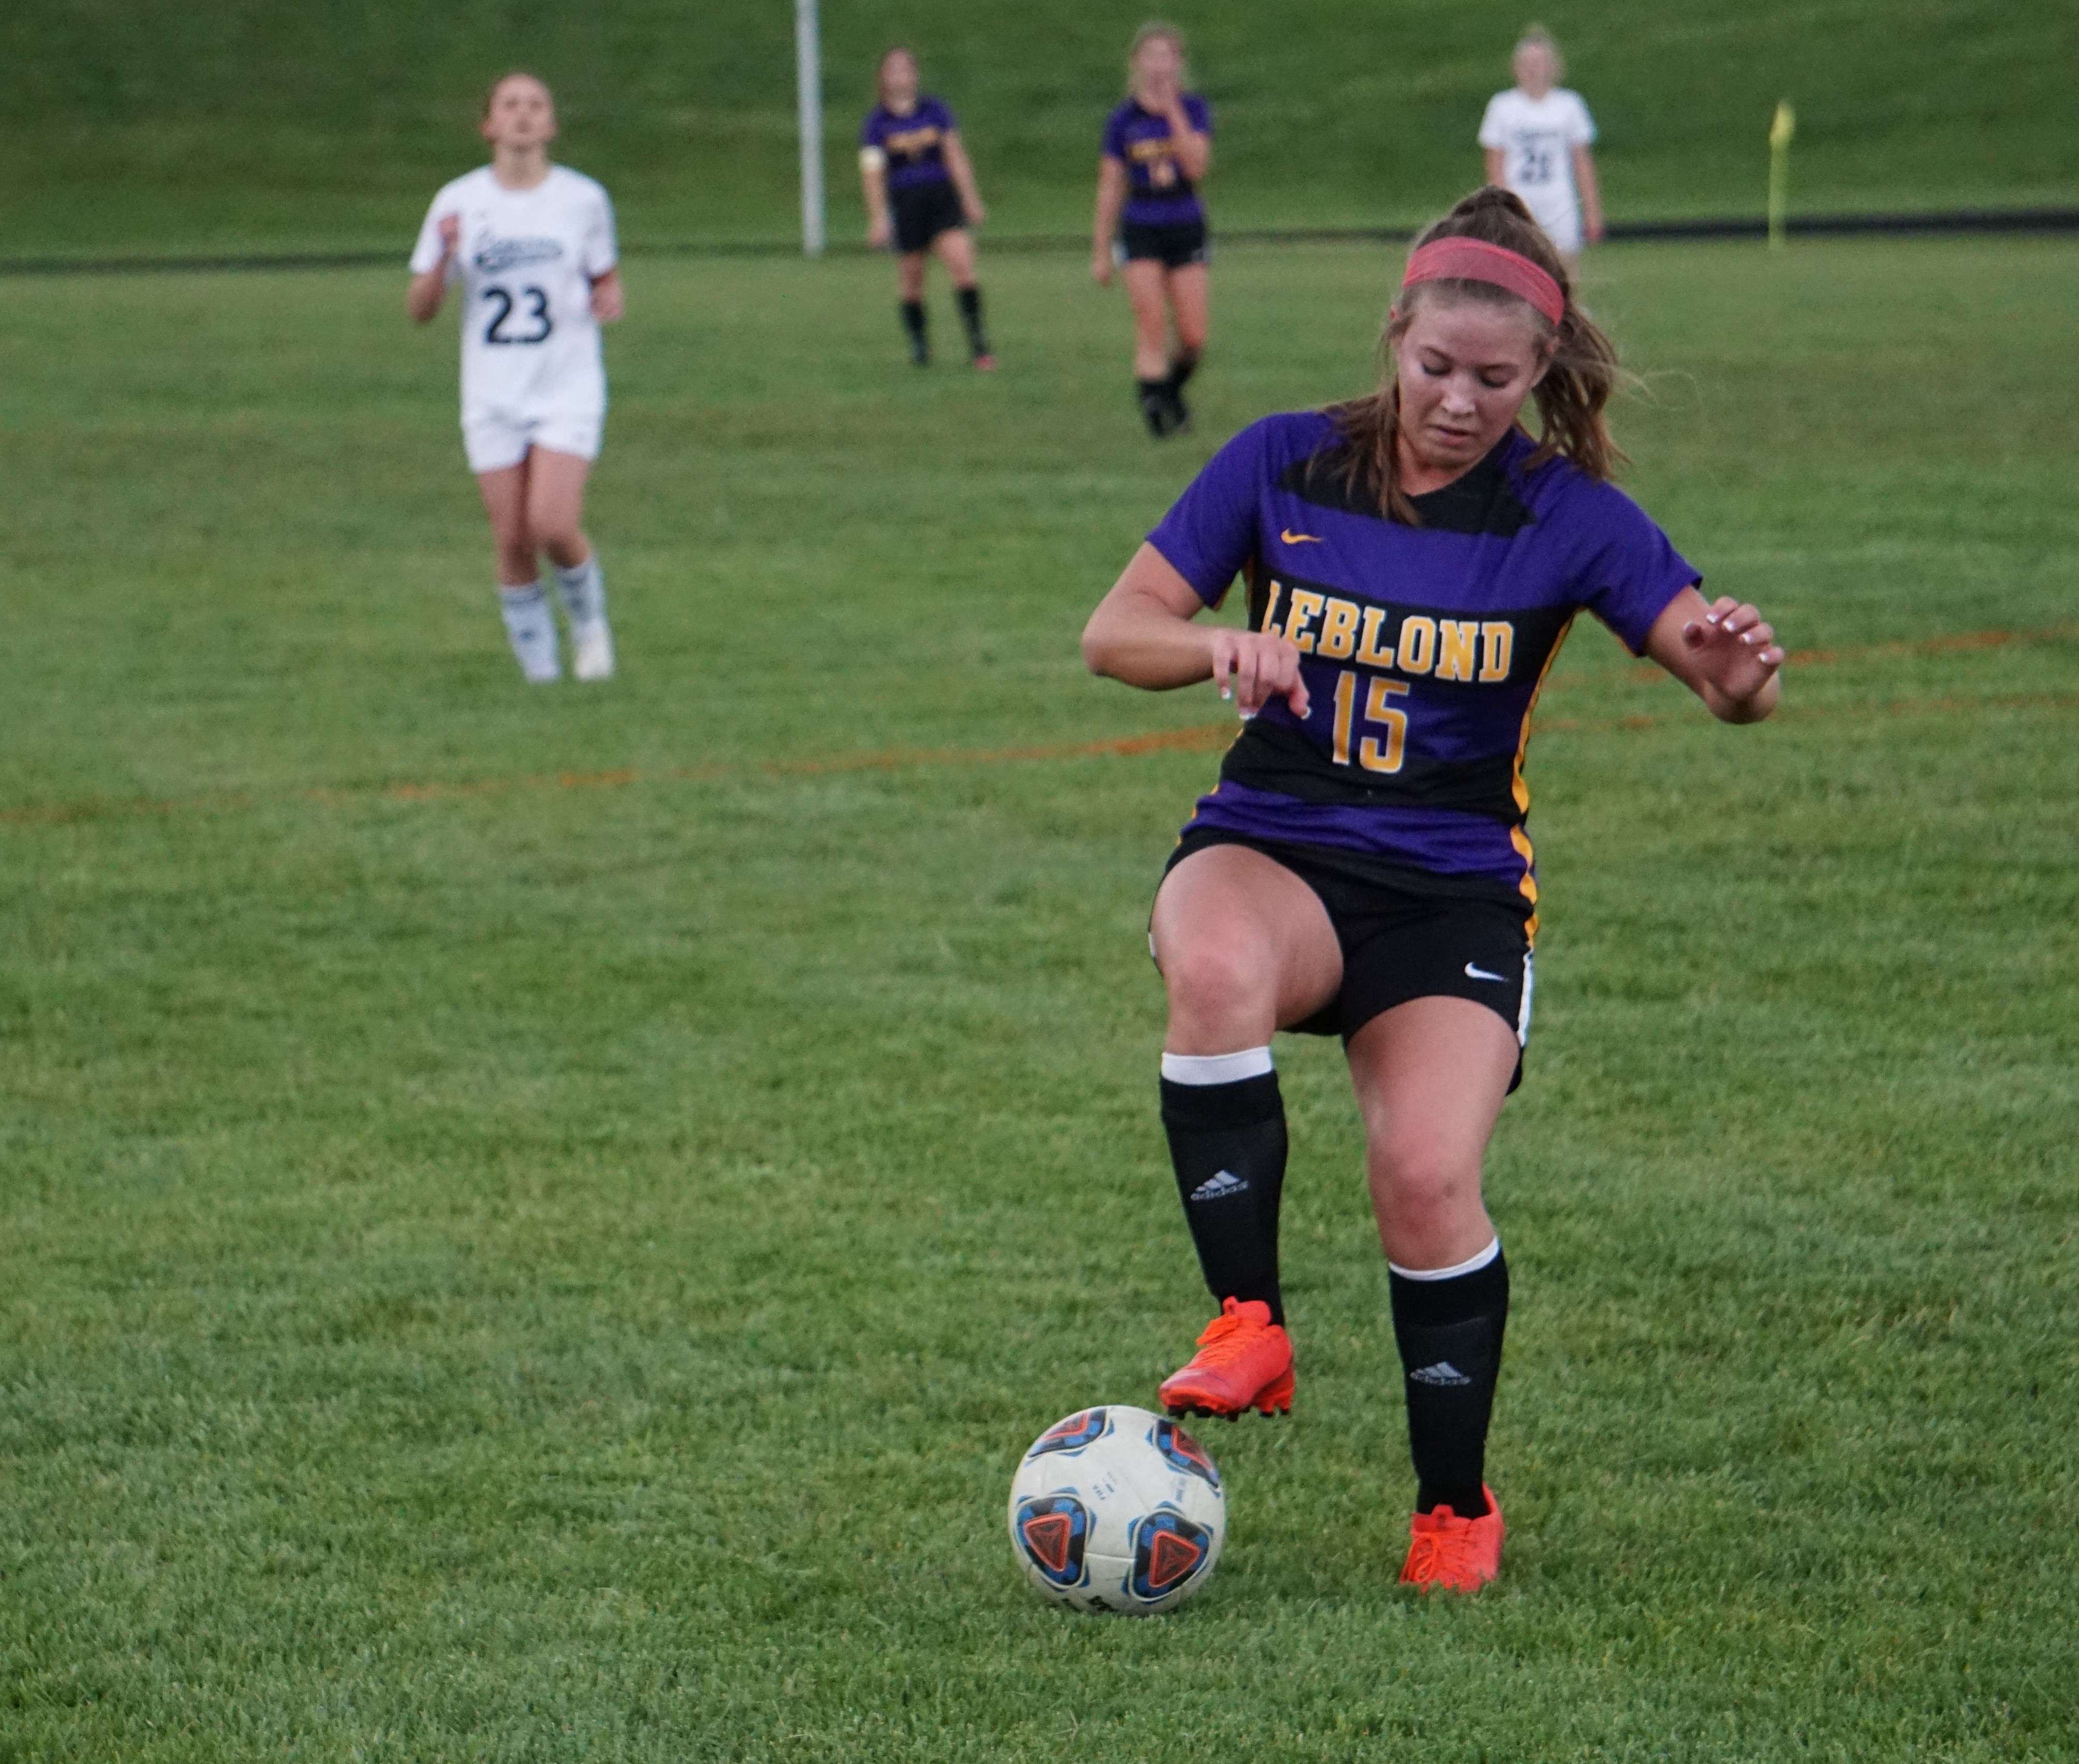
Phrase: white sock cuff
(525, 594)
(577, 573)
(1217, 1068)
(1471, 1265)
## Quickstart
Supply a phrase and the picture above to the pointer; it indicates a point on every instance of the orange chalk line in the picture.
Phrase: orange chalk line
(1199, 739)
(1956, 643)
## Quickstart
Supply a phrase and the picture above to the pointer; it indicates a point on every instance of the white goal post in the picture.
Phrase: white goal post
(808, 104)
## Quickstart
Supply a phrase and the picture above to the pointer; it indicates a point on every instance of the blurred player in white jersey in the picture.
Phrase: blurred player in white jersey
(1537, 137)
(532, 244)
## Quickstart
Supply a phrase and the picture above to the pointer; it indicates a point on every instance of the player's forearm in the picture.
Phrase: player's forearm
(1591, 193)
(423, 298)
(1146, 645)
(1104, 223)
(962, 169)
(1194, 152)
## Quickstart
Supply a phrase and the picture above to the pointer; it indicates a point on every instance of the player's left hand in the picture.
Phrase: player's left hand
(977, 212)
(1593, 227)
(609, 300)
(1735, 648)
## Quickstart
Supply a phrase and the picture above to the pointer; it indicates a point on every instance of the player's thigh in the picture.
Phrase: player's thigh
(1431, 1076)
(955, 248)
(555, 492)
(1147, 286)
(1236, 933)
(505, 492)
(1190, 298)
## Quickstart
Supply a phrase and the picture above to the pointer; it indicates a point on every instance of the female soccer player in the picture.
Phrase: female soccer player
(1413, 560)
(1158, 146)
(1536, 138)
(920, 196)
(532, 245)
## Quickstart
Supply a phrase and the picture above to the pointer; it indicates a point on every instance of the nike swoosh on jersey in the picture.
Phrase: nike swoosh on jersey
(1291, 538)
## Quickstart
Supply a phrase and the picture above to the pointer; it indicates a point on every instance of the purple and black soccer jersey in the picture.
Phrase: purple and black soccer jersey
(1423, 647)
(1157, 192)
(915, 144)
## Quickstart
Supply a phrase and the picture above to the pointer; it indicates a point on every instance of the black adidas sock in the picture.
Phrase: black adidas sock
(969, 301)
(1154, 396)
(1449, 1333)
(1182, 366)
(1227, 1143)
(913, 322)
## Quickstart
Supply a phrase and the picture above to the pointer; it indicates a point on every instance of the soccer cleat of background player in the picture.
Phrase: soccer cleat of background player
(1243, 1361)
(1158, 146)
(1461, 1556)
(921, 198)
(532, 246)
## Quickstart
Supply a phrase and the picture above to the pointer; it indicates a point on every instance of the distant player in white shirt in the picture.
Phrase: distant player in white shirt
(532, 244)
(1537, 138)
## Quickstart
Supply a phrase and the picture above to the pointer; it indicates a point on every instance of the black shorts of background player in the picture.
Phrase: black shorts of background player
(920, 199)
(1158, 145)
(1414, 560)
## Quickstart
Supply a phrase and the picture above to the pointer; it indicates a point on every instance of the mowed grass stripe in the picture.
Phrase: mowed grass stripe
(1212, 737)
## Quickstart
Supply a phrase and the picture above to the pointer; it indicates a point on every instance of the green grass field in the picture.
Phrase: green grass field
(537, 1223)
(244, 124)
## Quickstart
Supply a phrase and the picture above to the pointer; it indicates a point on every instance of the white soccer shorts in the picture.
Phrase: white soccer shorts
(494, 439)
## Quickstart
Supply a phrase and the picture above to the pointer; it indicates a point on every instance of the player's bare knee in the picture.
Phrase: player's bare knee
(563, 541)
(1415, 1183)
(1212, 987)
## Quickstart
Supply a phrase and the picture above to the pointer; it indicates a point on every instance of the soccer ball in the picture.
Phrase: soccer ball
(1116, 1508)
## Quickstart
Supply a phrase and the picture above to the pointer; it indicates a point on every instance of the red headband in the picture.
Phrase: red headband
(1474, 260)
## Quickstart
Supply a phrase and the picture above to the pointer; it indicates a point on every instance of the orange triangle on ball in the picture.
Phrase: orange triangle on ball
(1047, 1536)
(1171, 1558)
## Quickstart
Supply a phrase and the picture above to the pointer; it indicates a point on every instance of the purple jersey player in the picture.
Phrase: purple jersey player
(921, 198)
(1157, 145)
(1413, 561)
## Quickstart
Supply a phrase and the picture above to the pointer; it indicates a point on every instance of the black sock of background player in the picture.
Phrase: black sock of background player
(1154, 396)
(1449, 1332)
(913, 322)
(969, 300)
(1227, 1144)
(1182, 366)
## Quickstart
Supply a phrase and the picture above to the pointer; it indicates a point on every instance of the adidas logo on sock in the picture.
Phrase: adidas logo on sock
(1218, 1188)
(1443, 1372)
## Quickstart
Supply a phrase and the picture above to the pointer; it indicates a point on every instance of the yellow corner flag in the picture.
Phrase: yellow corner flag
(1781, 130)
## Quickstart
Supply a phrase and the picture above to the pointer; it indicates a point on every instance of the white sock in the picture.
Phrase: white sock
(1217, 1068)
(1472, 1264)
(531, 629)
(584, 590)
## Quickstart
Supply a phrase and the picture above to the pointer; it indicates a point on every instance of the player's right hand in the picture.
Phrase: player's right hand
(1101, 268)
(450, 233)
(1254, 667)
(878, 233)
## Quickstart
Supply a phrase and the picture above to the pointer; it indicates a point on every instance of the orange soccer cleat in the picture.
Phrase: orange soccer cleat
(1445, 1550)
(1243, 1361)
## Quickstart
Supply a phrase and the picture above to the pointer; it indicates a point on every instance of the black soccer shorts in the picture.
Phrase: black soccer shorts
(922, 212)
(1171, 246)
(1402, 940)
